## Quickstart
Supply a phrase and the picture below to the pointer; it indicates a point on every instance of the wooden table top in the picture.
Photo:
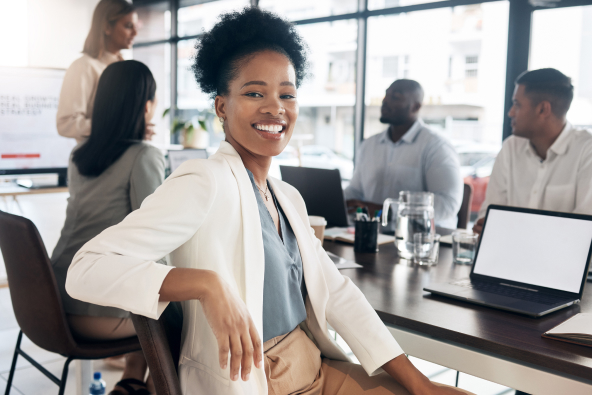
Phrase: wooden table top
(395, 290)
(15, 190)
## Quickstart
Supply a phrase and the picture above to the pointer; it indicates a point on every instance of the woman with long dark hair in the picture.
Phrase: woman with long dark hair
(257, 288)
(113, 28)
(109, 176)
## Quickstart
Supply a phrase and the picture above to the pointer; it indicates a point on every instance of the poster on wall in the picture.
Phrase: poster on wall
(29, 138)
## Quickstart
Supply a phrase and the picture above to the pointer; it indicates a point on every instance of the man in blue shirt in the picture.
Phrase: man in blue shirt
(406, 157)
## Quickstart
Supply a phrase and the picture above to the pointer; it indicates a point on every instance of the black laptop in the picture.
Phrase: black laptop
(321, 191)
(527, 261)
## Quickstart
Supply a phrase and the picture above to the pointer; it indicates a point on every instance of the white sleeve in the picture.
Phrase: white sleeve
(355, 189)
(118, 267)
(497, 187)
(584, 182)
(443, 179)
(78, 87)
(355, 320)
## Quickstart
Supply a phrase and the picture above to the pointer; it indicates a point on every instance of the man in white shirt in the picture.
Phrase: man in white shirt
(406, 157)
(547, 163)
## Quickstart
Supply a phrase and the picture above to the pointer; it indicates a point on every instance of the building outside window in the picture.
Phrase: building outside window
(460, 62)
(566, 47)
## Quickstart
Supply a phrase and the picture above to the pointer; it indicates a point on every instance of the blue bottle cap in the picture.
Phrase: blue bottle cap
(97, 376)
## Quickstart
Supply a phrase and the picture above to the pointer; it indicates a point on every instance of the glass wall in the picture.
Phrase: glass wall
(196, 16)
(157, 58)
(154, 22)
(306, 9)
(458, 54)
(324, 134)
(566, 47)
(459, 61)
(379, 4)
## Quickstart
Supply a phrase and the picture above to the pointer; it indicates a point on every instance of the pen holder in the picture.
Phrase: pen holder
(366, 237)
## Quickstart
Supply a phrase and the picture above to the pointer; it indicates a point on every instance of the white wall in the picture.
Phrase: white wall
(57, 30)
(43, 33)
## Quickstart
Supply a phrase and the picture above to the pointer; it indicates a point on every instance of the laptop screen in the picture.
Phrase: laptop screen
(536, 249)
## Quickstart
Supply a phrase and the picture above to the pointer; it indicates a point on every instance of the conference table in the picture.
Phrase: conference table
(502, 347)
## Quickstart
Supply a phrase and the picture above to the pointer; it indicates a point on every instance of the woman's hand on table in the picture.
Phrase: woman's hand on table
(226, 313)
(402, 370)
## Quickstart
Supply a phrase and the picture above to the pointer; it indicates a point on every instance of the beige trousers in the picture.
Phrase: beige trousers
(293, 365)
(100, 328)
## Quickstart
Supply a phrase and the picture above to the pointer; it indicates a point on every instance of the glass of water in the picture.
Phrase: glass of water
(464, 245)
(426, 248)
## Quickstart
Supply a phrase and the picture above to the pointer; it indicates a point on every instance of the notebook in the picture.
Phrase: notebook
(577, 330)
(343, 235)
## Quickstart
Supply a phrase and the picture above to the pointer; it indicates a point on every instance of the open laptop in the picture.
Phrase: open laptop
(177, 157)
(321, 191)
(527, 261)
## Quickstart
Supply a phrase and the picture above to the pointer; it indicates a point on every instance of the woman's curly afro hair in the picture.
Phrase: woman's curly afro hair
(220, 51)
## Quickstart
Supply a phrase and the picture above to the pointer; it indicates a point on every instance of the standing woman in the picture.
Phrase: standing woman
(113, 28)
(255, 282)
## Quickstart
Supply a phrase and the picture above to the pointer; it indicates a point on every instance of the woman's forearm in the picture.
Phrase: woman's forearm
(187, 284)
(402, 370)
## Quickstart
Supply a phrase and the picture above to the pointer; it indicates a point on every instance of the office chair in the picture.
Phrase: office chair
(161, 342)
(38, 306)
(465, 208)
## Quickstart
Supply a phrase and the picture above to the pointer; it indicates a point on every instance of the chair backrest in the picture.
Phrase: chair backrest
(465, 208)
(33, 288)
(161, 343)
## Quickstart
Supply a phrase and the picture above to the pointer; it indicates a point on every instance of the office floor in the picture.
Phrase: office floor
(48, 213)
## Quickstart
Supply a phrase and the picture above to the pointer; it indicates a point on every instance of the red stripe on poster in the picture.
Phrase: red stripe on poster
(20, 156)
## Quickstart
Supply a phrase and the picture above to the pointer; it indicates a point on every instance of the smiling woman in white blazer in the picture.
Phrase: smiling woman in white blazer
(205, 219)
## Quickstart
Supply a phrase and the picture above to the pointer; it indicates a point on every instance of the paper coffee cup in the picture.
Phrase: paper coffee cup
(318, 224)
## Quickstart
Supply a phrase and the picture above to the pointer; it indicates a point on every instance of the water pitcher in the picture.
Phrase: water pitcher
(415, 214)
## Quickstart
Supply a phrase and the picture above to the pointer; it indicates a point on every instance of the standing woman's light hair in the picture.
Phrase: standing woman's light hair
(106, 14)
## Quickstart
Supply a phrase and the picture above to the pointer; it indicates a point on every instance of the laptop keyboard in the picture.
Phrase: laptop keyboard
(512, 292)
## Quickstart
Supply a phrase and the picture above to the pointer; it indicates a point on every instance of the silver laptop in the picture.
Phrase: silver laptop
(531, 262)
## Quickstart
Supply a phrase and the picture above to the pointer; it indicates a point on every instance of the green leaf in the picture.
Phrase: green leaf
(164, 114)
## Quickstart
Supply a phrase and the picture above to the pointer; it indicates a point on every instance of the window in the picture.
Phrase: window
(566, 47)
(471, 63)
(156, 57)
(324, 133)
(305, 9)
(154, 22)
(390, 67)
(461, 101)
(196, 16)
(379, 4)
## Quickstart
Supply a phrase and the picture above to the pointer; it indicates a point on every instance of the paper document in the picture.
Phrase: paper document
(342, 263)
(577, 329)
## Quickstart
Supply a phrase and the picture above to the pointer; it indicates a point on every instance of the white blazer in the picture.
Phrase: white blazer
(205, 216)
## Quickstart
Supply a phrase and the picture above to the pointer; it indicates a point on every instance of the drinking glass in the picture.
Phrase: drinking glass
(464, 245)
(426, 248)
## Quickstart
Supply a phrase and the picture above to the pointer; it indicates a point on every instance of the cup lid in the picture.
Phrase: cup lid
(315, 220)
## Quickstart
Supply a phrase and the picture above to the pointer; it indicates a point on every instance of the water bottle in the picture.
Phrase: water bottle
(97, 386)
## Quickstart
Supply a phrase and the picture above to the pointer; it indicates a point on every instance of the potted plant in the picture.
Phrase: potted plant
(193, 132)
